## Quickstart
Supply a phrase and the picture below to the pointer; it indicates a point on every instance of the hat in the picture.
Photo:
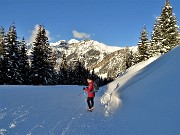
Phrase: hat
(90, 78)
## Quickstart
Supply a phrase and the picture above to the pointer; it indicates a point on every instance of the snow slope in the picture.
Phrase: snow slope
(149, 97)
(111, 99)
(145, 101)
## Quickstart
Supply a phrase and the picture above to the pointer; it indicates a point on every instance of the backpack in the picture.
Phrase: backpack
(96, 87)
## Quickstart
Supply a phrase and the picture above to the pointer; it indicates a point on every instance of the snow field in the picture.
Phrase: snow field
(144, 101)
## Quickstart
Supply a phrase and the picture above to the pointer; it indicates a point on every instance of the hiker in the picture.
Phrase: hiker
(91, 95)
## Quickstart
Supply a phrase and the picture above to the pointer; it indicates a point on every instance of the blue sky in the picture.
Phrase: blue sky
(113, 22)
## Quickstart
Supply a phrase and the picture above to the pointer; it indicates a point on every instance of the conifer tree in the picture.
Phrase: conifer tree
(2, 36)
(24, 64)
(169, 28)
(156, 38)
(128, 59)
(166, 31)
(143, 46)
(11, 58)
(63, 77)
(98, 80)
(80, 73)
(42, 65)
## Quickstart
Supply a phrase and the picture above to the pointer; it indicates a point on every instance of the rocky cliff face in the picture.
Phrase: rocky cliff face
(105, 60)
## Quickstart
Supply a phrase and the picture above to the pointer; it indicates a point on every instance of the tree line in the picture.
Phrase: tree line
(18, 68)
(164, 37)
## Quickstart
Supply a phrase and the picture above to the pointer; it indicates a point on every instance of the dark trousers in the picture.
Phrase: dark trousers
(90, 102)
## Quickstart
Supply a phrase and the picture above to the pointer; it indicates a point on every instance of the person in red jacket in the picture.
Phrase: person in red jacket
(91, 95)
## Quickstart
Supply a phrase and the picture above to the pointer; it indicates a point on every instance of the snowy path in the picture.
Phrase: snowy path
(41, 111)
(81, 121)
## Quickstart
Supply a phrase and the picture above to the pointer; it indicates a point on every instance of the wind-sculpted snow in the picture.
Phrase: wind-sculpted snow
(150, 97)
(111, 98)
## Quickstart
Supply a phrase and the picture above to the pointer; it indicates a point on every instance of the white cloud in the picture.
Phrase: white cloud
(80, 35)
(35, 32)
(48, 35)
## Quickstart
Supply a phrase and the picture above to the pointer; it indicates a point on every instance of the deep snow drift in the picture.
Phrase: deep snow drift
(149, 98)
(145, 101)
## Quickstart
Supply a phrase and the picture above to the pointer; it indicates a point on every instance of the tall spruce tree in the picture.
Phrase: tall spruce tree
(80, 73)
(166, 32)
(143, 45)
(127, 59)
(11, 74)
(42, 65)
(156, 38)
(24, 63)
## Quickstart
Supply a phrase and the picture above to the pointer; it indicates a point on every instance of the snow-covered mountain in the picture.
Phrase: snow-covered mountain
(95, 55)
(144, 101)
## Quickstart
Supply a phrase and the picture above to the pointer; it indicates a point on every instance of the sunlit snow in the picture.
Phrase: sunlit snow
(144, 101)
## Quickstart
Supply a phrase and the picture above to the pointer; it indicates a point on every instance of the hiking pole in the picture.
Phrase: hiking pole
(85, 98)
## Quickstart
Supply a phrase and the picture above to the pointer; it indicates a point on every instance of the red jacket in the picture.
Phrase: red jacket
(90, 88)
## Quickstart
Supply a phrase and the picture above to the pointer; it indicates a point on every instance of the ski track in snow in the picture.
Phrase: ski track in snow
(14, 116)
(77, 122)
(68, 126)
(63, 125)
(70, 121)
(18, 116)
(36, 127)
(3, 114)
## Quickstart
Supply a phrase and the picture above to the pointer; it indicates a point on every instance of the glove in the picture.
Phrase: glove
(84, 89)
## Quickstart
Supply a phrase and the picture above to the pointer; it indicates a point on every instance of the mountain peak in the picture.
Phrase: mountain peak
(104, 59)
(73, 41)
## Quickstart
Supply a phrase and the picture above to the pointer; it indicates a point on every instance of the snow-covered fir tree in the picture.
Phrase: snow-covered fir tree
(24, 62)
(42, 65)
(80, 73)
(11, 73)
(74, 72)
(128, 59)
(156, 38)
(166, 31)
(143, 45)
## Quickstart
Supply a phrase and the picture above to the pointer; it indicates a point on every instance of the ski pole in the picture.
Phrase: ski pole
(85, 100)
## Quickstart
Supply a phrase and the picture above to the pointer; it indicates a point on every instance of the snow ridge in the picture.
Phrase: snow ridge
(111, 99)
